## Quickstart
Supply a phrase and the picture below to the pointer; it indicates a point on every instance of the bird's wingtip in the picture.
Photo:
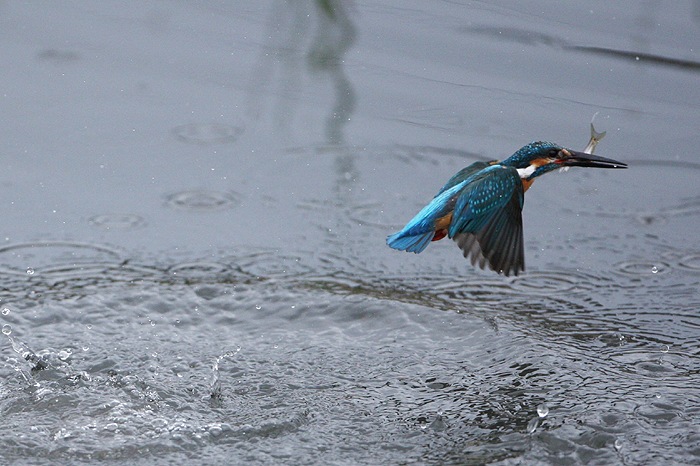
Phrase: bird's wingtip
(410, 243)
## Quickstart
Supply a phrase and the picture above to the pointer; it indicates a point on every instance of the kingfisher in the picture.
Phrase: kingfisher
(480, 207)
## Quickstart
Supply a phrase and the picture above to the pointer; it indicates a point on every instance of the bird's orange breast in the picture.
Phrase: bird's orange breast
(443, 222)
(441, 226)
(527, 184)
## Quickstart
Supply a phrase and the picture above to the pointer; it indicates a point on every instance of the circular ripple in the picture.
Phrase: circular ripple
(117, 221)
(197, 270)
(203, 200)
(690, 262)
(273, 263)
(640, 268)
(543, 283)
(43, 256)
(207, 133)
(372, 214)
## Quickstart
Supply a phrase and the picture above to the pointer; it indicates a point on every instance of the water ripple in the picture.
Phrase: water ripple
(203, 200)
(18, 258)
(690, 262)
(117, 221)
(642, 268)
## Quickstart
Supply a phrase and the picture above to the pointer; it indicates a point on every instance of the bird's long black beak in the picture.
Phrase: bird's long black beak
(581, 159)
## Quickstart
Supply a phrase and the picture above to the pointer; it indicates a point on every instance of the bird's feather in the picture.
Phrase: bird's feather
(418, 232)
(463, 174)
(411, 243)
(487, 220)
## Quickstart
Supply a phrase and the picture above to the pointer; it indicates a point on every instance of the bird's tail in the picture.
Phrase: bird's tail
(410, 243)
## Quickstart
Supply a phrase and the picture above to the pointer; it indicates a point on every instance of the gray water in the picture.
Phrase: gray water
(196, 197)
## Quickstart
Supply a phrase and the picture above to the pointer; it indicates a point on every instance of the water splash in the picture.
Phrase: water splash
(215, 385)
(24, 351)
(532, 425)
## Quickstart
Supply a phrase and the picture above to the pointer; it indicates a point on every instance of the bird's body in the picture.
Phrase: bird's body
(480, 207)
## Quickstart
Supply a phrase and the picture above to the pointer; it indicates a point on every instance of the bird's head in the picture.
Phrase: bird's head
(538, 158)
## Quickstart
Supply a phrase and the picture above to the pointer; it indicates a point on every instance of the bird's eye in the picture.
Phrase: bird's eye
(554, 153)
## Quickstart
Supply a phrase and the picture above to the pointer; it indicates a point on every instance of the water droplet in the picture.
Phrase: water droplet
(618, 444)
(85, 347)
(542, 410)
(112, 427)
(665, 349)
(654, 269)
(532, 425)
(258, 307)
(7, 329)
(5, 311)
(30, 271)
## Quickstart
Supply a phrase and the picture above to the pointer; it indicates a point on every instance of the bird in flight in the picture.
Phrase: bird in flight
(480, 207)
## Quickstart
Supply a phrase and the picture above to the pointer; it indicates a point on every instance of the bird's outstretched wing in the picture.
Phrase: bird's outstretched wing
(487, 221)
(463, 174)
(420, 230)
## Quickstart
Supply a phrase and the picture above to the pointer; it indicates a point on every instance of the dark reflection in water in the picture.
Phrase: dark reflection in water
(641, 57)
(289, 26)
(334, 37)
(530, 37)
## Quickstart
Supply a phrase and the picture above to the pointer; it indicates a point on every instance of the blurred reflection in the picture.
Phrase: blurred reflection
(334, 37)
(290, 46)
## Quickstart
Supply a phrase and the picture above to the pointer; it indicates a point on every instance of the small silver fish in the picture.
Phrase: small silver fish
(595, 138)
(592, 143)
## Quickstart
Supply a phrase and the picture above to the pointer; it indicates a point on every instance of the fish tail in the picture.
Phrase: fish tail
(595, 135)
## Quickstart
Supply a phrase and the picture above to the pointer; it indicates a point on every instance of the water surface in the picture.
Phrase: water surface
(195, 203)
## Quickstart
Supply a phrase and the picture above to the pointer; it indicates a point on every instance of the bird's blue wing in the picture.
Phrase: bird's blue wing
(419, 232)
(463, 174)
(410, 243)
(487, 221)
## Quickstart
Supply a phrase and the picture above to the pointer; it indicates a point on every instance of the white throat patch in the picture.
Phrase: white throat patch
(526, 172)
